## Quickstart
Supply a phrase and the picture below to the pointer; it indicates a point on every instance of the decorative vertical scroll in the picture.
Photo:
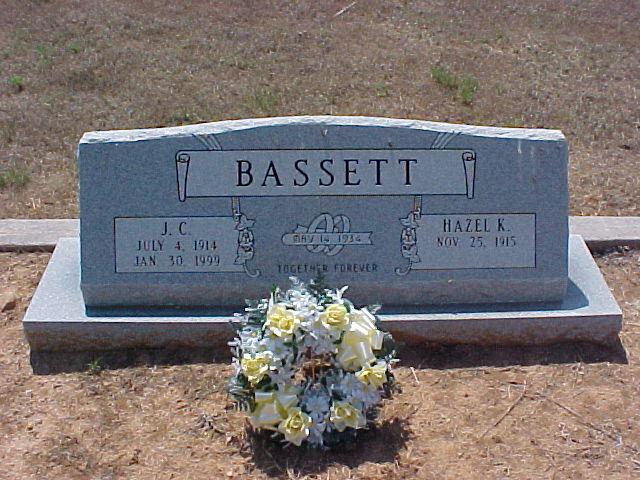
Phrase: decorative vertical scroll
(182, 169)
(246, 249)
(469, 162)
(409, 236)
(411, 223)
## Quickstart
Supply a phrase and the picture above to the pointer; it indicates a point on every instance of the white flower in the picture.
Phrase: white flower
(316, 337)
(318, 344)
(302, 300)
(296, 284)
(316, 432)
(316, 401)
(337, 294)
(282, 375)
(249, 339)
(235, 363)
(368, 396)
(349, 384)
(309, 309)
(357, 392)
(317, 406)
(276, 346)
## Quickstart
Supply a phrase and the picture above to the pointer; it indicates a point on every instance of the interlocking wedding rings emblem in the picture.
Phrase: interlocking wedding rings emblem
(326, 234)
(325, 223)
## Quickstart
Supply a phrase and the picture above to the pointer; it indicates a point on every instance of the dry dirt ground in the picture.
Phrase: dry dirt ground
(67, 67)
(569, 411)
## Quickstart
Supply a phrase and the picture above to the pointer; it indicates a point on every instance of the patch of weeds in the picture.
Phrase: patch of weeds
(155, 28)
(500, 90)
(467, 89)
(464, 87)
(381, 89)
(264, 100)
(443, 77)
(45, 52)
(48, 100)
(21, 34)
(94, 367)
(17, 82)
(184, 118)
(8, 132)
(515, 123)
(74, 47)
(237, 62)
(17, 177)
(88, 79)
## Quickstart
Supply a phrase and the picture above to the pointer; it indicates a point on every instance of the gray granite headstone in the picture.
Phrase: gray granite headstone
(404, 212)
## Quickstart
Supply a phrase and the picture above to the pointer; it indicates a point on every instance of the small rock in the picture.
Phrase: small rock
(8, 301)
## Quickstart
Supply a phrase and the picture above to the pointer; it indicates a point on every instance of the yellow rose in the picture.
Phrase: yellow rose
(255, 367)
(272, 407)
(358, 343)
(375, 375)
(267, 415)
(295, 427)
(281, 321)
(335, 317)
(344, 415)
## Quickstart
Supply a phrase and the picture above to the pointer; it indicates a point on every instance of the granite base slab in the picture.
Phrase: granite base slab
(57, 319)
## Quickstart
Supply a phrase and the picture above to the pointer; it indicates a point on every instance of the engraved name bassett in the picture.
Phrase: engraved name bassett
(236, 173)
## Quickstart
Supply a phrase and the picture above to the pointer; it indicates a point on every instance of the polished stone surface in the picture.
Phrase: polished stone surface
(405, 212)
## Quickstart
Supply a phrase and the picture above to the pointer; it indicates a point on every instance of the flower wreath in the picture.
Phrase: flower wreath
(309, 366)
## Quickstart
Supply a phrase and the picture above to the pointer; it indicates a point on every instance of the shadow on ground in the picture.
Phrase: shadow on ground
(442, 357)
(439, 357)
(381, 444)
(49, 363)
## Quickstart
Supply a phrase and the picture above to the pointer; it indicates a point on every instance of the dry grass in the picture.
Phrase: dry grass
(90, 65)
(570, 411)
